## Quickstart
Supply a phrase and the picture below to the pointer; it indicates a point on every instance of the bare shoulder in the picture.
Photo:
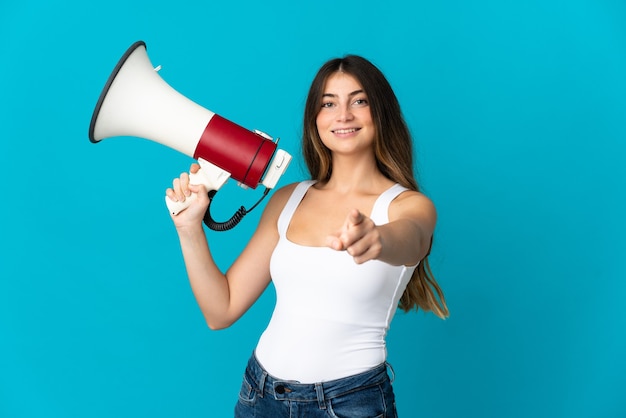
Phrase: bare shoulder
(413, 205)
(278, 200)
(280, 196)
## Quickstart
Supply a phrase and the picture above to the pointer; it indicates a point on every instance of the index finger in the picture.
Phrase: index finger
(355, 217)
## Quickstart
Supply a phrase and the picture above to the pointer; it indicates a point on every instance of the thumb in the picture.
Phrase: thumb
(334, 242)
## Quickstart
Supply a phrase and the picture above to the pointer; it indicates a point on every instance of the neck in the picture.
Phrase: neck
(350, 174)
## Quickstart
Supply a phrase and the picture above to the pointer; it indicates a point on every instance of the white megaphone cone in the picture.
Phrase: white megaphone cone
(137, 102)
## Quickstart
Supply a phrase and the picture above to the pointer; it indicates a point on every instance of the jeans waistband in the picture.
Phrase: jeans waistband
(268, 385)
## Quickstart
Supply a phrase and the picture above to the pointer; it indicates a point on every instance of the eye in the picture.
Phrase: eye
(327, 105)
(361, 102)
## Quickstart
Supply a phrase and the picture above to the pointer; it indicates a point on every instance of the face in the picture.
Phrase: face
(344, 121)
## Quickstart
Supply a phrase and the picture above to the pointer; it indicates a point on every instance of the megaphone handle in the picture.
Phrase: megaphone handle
(209, 175)
(177, 207)
(213, 178)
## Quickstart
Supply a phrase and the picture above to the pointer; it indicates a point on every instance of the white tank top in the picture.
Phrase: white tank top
(331, 315)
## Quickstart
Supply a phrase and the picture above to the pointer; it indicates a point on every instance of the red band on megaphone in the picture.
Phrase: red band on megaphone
(243, 153)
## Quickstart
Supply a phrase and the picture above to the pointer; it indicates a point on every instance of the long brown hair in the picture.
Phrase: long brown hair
(393, 147)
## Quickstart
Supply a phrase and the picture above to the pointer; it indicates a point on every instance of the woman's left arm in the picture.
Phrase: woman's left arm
(405, 240)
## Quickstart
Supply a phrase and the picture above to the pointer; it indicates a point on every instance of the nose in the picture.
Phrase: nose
(344, 114)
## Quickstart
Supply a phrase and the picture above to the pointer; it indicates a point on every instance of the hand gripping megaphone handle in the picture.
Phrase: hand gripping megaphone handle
(209, 175)
(213, 178)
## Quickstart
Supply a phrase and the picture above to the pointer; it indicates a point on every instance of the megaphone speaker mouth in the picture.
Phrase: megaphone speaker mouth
(107, 86)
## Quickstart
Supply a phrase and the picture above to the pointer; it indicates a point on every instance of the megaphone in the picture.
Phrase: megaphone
(137, 102)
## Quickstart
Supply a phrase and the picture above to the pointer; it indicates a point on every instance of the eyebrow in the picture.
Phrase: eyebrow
(354, 93)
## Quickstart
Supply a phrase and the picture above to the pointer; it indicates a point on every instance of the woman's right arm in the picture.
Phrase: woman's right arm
(224, 297)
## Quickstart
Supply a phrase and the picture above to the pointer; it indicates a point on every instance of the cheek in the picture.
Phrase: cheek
(323, 124)
(321, 120)
(366, 116)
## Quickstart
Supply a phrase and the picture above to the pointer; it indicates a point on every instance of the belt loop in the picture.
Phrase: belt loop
(393, 374)
(319, 390)
(262, 383)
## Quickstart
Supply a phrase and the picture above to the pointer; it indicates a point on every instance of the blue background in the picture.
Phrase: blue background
(518, 111)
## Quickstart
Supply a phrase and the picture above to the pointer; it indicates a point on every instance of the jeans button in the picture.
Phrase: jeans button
(280, 389)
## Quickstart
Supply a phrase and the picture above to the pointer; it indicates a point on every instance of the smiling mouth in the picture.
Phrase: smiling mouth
(345, 131)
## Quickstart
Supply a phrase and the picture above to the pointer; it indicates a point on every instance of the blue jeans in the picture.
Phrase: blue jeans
(365, 395)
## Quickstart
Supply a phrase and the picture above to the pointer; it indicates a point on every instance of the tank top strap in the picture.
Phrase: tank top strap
(292, 204)
(380, 211)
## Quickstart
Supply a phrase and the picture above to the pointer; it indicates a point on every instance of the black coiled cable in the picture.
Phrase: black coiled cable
(234, 220)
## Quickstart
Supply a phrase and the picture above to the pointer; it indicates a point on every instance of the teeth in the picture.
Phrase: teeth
(345, 131)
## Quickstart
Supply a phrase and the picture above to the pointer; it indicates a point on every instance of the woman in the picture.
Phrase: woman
(343, 249)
